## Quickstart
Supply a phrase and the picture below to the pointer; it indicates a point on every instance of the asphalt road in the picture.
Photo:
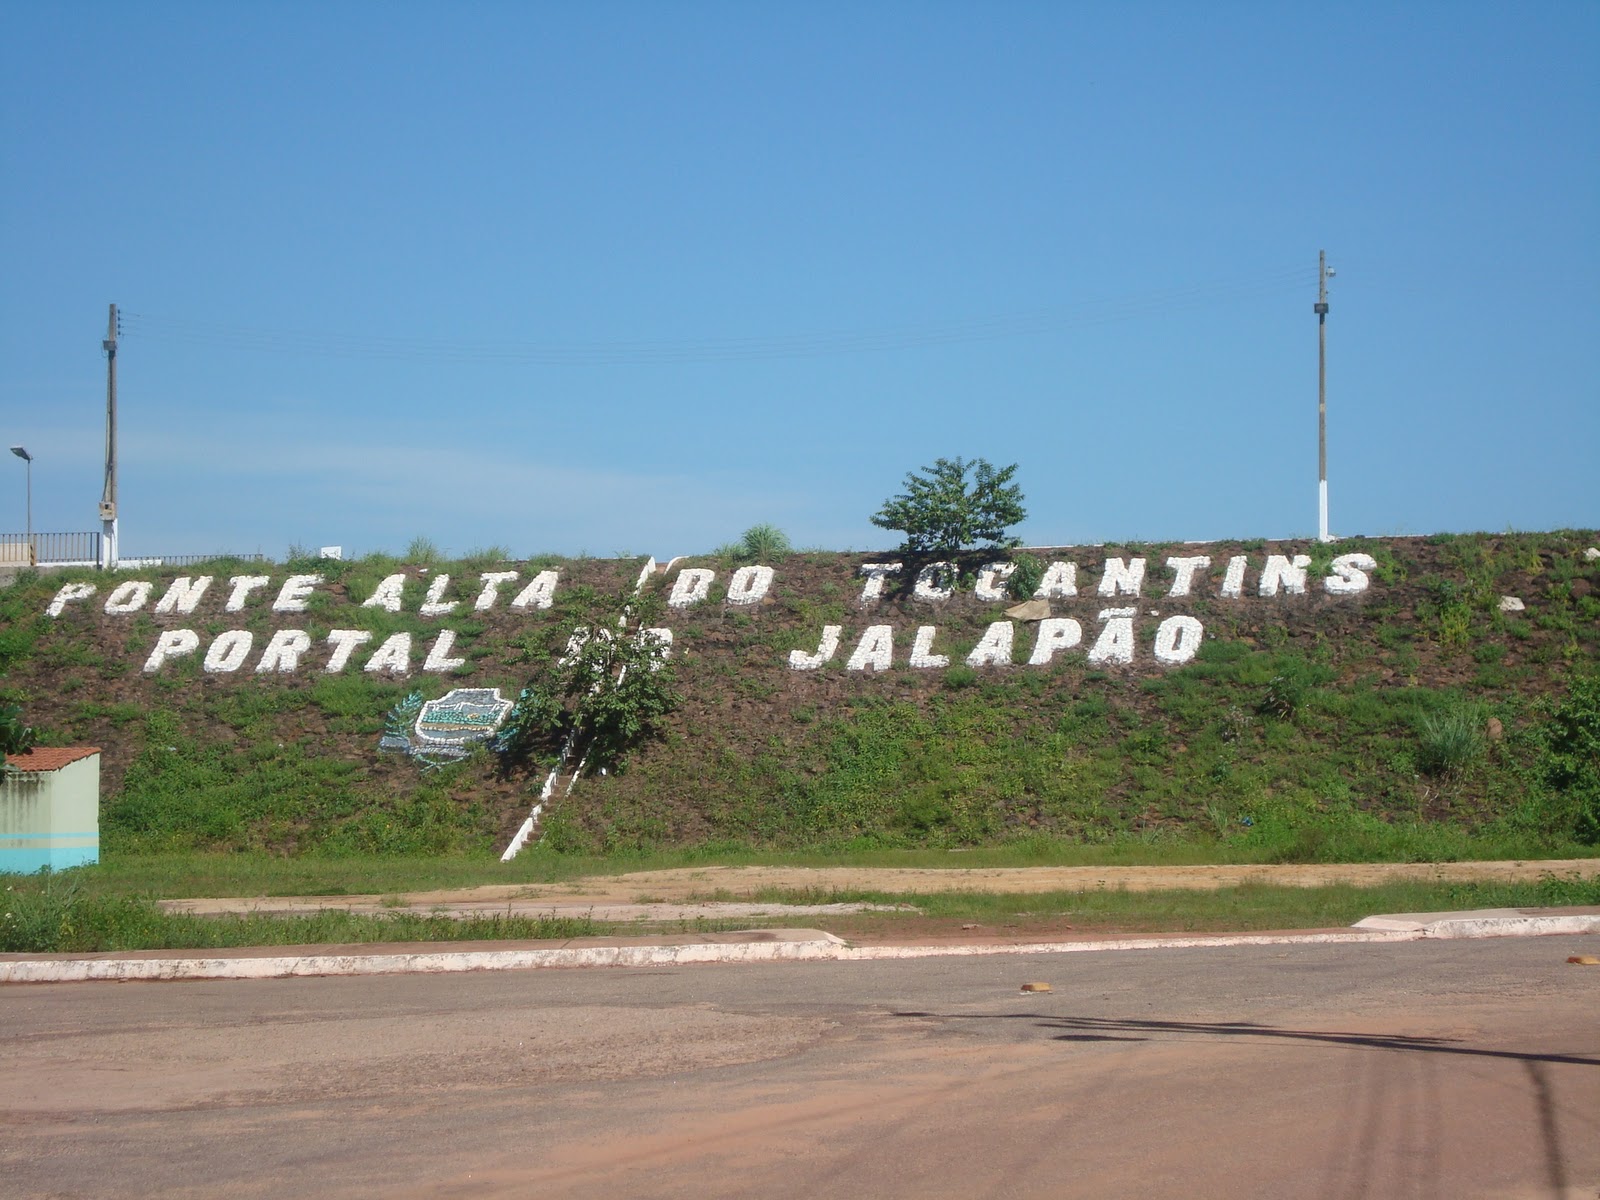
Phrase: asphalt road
(1425, 1069)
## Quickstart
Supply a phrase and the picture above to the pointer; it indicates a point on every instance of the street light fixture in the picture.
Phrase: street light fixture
(22, 453)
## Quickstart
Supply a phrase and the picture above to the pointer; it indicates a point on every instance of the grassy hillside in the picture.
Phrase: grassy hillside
(1411, 718)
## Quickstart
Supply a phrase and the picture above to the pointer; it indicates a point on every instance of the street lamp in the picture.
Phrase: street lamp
(22, 453)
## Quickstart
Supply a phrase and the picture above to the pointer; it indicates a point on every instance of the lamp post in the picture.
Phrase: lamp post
(22, 453)
(1324, 273)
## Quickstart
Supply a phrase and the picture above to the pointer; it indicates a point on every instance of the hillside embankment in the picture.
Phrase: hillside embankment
(1294, 700)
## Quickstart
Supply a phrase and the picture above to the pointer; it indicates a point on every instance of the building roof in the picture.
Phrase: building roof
(49, 758)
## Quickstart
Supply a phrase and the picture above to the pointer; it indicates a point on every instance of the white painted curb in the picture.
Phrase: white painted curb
(428, 963)
(1341, 937)
(821, 947)
(1485, 923)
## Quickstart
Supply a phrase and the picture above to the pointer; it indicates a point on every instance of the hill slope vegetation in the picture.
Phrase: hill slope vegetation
(1374, 696)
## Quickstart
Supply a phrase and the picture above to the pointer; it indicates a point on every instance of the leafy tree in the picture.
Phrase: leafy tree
(604, 688)
(943, 511)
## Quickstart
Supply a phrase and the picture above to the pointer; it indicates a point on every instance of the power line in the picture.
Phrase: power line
(1077, 315)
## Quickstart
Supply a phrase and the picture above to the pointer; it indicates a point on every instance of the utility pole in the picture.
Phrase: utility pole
(1324, 273)
(108, 496)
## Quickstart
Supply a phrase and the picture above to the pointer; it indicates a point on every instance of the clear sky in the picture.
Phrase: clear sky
(631, 277)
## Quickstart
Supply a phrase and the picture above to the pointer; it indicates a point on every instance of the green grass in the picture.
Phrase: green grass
(178, 875)
(1237, 909)
(57, 914)
(58, 917)
(1355, 736)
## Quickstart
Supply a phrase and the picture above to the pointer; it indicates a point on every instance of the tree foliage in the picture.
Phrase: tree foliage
(15, 736)
(942, 510)
(600, 682)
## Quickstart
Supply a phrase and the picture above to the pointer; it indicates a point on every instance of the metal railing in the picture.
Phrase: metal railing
(56, 549)
(83, 550)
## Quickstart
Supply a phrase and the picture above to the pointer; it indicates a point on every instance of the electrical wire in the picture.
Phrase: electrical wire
(1078, 315)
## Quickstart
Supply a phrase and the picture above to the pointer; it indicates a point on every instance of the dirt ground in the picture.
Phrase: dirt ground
(740, 883)
(712, 893)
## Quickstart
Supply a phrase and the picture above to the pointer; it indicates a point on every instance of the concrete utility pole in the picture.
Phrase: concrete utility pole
(1324, 273)
(108, 496)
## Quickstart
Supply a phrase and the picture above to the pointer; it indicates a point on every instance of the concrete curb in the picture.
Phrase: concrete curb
(1488, 922)
(766, 945)
(774, 946)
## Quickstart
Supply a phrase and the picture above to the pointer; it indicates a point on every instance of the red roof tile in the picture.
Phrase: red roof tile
(49, 758)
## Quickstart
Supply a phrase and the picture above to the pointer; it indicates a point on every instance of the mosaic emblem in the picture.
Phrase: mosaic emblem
(436, 732)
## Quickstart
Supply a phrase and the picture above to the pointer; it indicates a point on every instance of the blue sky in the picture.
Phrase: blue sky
(632, 277)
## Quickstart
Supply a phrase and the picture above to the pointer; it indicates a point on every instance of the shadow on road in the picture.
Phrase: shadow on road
(1136, 1029)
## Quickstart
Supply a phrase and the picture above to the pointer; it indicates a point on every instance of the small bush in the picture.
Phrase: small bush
(1283, 697)
(1025, 579)
(960, 676)
(1447, 742)
(1569, 765)
(763, 543)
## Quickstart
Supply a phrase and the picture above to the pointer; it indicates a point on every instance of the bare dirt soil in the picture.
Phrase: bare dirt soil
(735, 893)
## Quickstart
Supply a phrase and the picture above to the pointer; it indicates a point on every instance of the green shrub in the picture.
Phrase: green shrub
(763, 543)
(1448, 741)
(1025, 578)
(1569, 765)
(960, 676)
(1283, 697)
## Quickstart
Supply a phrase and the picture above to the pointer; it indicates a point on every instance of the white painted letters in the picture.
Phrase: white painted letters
(541, 593)
(173, 643)
(1055, 634)
(491, 588)
(1349, 574)
(387, 595)
(799, 660)
(1291, 573)
(749, 585)
(992, 580)
(877, 574)
(242, 586)
(344, 643)
(283, 652)
(128, 597)
(227, 654)
(994, 647)
(1183, 571)
(1178, 640)
(394, 656)
(692, 585)
(1059, 582)
(936, 581)
(183, 595)
(439, 656)
(1122, 578)
(434, 604)
(922, 655)
(292, 596)
(1115, 643)
(69, 594)
(1233, 578)
(875, 650)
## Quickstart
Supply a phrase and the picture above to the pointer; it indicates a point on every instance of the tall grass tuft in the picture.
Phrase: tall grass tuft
(763, 543)
(1447, 742)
